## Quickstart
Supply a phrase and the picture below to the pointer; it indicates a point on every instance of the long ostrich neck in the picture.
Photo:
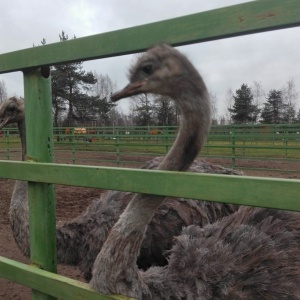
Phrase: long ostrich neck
(115, 266)
(194, 127)
(21, 127)
(18, 211)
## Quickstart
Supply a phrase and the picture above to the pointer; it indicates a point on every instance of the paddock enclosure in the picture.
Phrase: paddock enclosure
(254, 147)
(41, 173)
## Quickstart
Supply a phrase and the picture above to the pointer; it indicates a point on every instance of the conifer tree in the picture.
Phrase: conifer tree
(273, 111)
(141, 110)
(243, 110)
(164, 111)
(71, 86)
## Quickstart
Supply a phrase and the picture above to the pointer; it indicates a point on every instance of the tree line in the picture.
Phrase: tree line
(251, 105)
(81, 98)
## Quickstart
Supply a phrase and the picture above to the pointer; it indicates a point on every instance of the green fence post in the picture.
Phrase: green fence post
(206, 147)
(7, 144)
(41, 195)
(166, 134)
(233, 148)
(72, 132)
(117, 137)
(286, 146)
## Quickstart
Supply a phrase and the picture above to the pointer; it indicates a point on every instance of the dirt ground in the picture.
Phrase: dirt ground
(71, 201)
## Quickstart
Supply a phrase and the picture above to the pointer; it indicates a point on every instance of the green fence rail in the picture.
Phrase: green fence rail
(133, 145)
(248, 18)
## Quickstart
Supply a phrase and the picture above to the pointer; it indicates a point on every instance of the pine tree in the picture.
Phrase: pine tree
(289, 114)
(244, 111)
(164, 111)
(141, 110)
(70, 89)
(273, 111)
(59, 90)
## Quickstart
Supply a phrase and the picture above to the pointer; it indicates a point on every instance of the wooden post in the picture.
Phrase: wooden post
(38, 117)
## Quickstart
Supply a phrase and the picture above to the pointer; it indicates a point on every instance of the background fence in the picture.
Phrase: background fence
(235, 145)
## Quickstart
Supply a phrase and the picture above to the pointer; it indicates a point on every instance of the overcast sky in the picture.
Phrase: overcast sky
(269, 58)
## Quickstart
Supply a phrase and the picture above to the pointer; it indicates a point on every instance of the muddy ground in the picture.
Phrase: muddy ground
(71, 201)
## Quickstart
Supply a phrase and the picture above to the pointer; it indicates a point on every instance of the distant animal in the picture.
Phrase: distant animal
(79, 130)
(154, 132)
(251, 254)
(79, 240)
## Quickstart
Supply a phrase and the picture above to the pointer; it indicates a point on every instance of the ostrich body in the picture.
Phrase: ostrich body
(79, 240)
(251, 254)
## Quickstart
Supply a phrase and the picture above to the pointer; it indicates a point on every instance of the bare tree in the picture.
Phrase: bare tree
(3, 92)
(214, 108)
(290, 94)
(222, 120)
(103, 89)
(258, 93)
(229, 102)
(117, 117)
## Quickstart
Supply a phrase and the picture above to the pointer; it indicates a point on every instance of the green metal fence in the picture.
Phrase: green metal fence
(258, 16)
(239, 146)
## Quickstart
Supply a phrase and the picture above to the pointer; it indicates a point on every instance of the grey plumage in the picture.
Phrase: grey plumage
(251, 254)
(79, 240)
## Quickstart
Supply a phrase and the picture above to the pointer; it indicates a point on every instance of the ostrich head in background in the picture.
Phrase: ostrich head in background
(11, 111)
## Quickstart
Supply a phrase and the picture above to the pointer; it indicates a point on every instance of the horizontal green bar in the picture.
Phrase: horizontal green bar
(50, 283)
(247, 18)
(254, 191)
(235, 146)
(240, 157)
(266, 170)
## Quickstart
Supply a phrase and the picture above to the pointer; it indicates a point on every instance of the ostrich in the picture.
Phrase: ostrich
(79, 240)
(251, 254)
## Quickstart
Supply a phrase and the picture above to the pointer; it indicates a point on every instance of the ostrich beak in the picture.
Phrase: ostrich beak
(3, 122)
(131, 89)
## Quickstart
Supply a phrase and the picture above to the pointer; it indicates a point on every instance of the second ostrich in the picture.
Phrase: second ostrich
(251, 254)
(79, 240)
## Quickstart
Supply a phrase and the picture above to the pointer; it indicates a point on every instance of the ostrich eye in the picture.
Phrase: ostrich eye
(11, 108)
(147, 70)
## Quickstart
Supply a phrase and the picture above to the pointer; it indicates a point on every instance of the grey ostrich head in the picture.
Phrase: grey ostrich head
(11, 111)
(162, 70)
